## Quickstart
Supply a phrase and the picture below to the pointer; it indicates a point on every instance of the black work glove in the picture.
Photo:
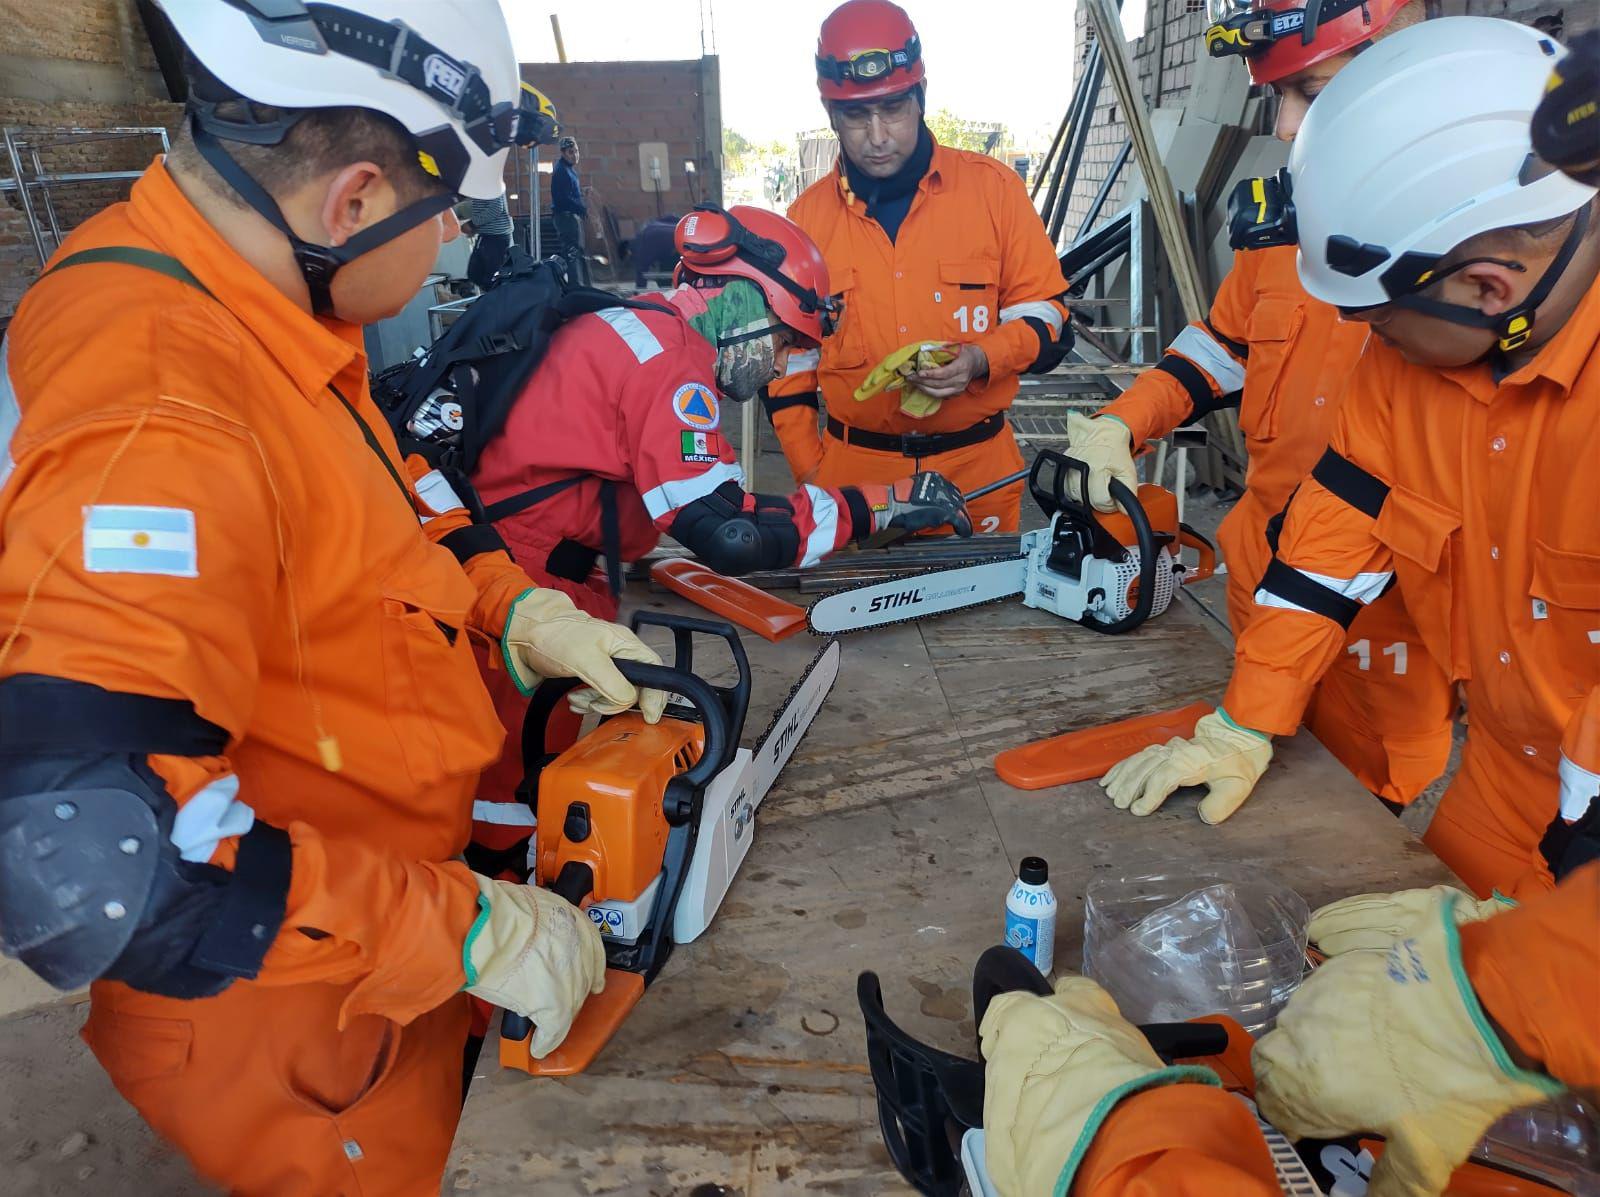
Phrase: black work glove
(917, 503)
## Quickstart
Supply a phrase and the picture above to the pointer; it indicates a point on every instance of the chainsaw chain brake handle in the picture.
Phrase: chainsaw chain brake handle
(1078, 533)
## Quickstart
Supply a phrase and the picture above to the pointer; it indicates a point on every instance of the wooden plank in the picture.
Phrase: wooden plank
(888, 844)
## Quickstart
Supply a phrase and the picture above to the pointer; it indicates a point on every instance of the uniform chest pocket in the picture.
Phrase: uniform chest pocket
(846, 349)
(436, 701)
(968, 294)
(1564, 601)
(1272, 332)
(1421, 534)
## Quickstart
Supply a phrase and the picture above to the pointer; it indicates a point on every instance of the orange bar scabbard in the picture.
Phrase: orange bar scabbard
(762, 613)
(1080, 755)
(599, 1019)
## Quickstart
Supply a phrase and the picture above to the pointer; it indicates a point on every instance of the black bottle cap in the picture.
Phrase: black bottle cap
(1034, 870)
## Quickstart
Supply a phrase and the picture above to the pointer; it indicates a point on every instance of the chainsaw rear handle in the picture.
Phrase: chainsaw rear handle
(573, 885)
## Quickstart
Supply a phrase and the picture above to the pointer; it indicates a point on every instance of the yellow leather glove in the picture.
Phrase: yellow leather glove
(1221, 755)
(891, 373)
(1105, 445)
(1056, 1066)
(1371, 922)
(1394, 1042)
(546, 636)
(535, 954)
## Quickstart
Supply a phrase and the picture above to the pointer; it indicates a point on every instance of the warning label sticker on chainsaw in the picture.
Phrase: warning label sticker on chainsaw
(702, 447)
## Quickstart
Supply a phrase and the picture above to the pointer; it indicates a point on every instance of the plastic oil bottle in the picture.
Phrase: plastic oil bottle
(1031, 914)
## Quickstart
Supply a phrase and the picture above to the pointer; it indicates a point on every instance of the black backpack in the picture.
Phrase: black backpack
(452, 400)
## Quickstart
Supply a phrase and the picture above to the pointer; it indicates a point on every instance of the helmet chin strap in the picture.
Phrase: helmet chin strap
(1514, 327)
(318, 263)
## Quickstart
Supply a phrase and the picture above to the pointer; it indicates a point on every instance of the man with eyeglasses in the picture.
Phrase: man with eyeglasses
(926, 245)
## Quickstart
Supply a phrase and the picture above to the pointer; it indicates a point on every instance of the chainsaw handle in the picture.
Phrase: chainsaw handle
(1149, 549)
(1189, 538)
(573, 885)
(735, 699)
(707, 704)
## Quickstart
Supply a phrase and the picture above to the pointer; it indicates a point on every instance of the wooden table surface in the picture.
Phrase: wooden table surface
(889, 844)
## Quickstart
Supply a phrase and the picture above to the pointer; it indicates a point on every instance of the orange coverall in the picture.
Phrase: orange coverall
(1533, 968)
(325, 628)
(971, 263)
(1479, 496)
(1384, 706)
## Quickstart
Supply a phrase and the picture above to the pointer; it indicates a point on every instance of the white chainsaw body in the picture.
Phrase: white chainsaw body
(1101, 590)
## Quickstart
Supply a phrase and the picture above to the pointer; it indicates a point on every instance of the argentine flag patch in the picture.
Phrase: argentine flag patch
(140, 540)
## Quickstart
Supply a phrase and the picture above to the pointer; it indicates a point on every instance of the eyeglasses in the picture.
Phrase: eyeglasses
(896, 110)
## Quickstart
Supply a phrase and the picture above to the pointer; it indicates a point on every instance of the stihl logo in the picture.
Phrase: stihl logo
(888, 602)
(781, 744)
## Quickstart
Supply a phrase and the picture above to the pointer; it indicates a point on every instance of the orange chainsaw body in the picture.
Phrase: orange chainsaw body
(1161, 509)
(616, 775)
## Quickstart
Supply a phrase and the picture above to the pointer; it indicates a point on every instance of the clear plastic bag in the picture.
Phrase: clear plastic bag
(1171, 947)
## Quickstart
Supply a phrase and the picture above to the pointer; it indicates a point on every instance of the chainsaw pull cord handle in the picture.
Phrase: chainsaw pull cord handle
(1148, 553)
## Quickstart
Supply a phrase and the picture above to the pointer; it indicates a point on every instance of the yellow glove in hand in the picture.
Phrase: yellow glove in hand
(546, 636)
(1056, 1068)
(1371, 922)
(1226, 758)
(891, 373)
(535, 954)
(1103, 444)
(1394, 1042)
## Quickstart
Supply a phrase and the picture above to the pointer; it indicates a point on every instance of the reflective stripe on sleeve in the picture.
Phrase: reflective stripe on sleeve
(1362, 588)
(826, 532)
(208, 818)
(504, 814)
(633, 332)
(1038, 309)
(435, 491)
(10, 413)
(670, 496)
(1578, 789)
(1197, 345)
(802, 361)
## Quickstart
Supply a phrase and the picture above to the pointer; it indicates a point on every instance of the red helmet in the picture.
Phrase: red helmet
(1280, 37)
(867, 49)
(770, 251)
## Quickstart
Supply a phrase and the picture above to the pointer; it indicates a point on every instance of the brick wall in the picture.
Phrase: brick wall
(1173, 32)
(84, 63)
(610, 107)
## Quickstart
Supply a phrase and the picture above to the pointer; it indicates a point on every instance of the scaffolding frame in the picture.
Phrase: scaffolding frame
(22, 146)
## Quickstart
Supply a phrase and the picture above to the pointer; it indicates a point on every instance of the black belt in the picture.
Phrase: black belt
(572, 561)
(918, 444)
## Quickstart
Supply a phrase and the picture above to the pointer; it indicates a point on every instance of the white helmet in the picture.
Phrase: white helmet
(444, 69)
(1417, 145)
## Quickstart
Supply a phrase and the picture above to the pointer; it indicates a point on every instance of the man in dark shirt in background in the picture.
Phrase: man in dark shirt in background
(566, 197)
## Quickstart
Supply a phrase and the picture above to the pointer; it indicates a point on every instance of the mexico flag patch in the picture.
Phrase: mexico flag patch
(700, 447)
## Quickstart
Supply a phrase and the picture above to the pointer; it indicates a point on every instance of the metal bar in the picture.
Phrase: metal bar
(1080, 139)
(22, 194)
(1046, 162)
(749, 442)
(104, 176)
(1138, 273)
(1075, 116)
(1106, 185)
(1163, 200)
(44, 194)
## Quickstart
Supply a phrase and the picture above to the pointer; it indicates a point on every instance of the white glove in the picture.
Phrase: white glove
(1221, 755)
(1371, 922)
(546, 636)
(1104, 445)
(535, 954)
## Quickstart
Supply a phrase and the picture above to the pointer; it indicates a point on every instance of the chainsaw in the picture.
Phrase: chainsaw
(930, 1105)
(1109, 573)
(645, 825)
